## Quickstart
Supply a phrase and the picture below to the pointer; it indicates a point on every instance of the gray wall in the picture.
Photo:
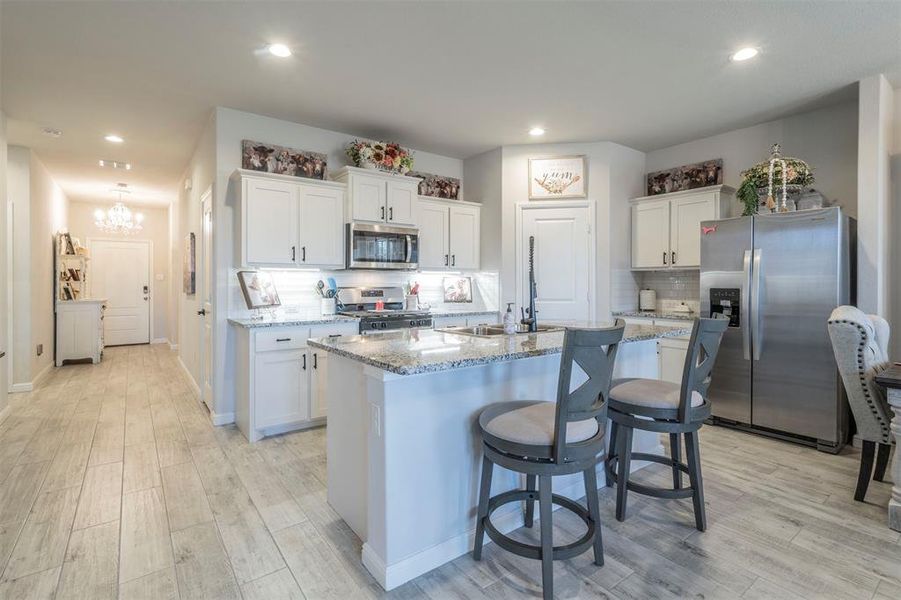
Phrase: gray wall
(825, 138)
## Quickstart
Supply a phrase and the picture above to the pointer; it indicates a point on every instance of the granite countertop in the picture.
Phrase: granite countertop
(292, 319)
(415, 351)
(653, 314)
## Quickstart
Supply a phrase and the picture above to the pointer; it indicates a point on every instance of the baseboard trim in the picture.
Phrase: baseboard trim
(159, 341)
(222, 418)
(191, 382)
(173, 346)
(18, 388)
(392, 576)
(42, 375)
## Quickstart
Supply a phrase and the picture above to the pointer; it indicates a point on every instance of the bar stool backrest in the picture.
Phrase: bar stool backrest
(594, 351)
(706, 335)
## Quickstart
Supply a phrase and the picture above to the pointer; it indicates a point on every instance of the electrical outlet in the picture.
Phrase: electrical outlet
(40, 349)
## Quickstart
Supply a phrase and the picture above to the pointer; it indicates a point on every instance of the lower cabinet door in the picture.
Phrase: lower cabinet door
(671, 358)
(281, 388)
(318, 381)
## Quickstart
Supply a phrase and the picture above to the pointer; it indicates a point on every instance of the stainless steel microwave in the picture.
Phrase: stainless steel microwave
(382, 247)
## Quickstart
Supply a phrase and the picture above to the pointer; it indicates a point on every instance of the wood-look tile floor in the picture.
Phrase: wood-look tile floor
(113, 483)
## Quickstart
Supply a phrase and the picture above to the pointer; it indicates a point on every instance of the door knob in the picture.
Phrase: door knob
(201, 312)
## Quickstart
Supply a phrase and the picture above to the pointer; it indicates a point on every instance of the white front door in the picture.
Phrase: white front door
(206, 298)
(119, 270)
(562, 261)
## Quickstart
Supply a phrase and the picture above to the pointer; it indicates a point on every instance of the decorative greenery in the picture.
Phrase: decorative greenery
(385, 156)
(797, 172)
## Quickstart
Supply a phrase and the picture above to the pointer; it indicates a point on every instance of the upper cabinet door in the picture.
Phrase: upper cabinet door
(650, 234)
(367, 198)
(321, 227)
(401, 205)
(686, 215)
(434, 243)
(464, 237)
(270, 222)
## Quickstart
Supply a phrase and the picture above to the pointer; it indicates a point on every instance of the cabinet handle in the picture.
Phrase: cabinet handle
(293, 253)
(453, 260)
(672, 258)
(391, 214)
(282, 339)
(304, 362)
(303, 253)
(383, 213)
(445, 260)
(315, 361)
(664, 258)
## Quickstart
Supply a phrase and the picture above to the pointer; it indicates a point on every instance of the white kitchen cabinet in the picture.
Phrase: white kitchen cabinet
(79, 330)
(380, 197)
(321, 226)
(270, 211)
(279, 379)
(666, 229)
(289, 222)
(650, 234)
(434, 235)
(671, 354)
(449, 235)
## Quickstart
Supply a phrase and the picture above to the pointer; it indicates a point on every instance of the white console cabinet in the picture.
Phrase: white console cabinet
(279, 379)
(79, 330)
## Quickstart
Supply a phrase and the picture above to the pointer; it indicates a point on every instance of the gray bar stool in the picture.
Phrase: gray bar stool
(544, 439)
(665, 407)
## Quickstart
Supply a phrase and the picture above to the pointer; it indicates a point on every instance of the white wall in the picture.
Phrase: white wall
(875, 129)
(5, 305)
(825, 138)
(482, 174)
(615, 174)
(217, 155)
(156, 230)
(39, 210)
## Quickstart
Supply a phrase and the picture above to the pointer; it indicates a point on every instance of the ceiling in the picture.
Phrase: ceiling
(454, 78)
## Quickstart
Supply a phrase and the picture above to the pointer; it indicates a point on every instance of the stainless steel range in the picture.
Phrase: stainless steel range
(380, 309)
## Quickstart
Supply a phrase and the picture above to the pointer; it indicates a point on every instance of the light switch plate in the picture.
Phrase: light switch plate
(160, 277)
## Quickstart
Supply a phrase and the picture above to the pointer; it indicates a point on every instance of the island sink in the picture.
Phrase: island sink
(495, 330)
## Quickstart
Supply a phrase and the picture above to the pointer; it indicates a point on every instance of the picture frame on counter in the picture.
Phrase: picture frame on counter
(258, 289)
(281, 160)
(457, 289)
(558, 177)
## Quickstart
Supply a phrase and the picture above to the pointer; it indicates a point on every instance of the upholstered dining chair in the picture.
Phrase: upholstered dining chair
(860, 344)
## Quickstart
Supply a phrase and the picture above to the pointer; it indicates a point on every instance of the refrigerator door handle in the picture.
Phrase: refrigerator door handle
(755, 305)
(743, 309)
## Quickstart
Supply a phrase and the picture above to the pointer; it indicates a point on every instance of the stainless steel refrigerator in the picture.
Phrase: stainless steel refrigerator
(777, 277)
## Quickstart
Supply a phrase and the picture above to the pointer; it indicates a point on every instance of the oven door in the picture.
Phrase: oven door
(382, 247)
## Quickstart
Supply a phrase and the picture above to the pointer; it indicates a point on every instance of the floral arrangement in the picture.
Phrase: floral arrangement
(385, 156)
(768, 178)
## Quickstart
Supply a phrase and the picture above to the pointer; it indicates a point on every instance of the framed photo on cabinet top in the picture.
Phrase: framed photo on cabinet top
(558, 177)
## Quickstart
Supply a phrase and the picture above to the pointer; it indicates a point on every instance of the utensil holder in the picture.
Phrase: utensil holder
(327, 306)
(411, 302)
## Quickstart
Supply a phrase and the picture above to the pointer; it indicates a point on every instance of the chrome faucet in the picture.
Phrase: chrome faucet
(532, 320)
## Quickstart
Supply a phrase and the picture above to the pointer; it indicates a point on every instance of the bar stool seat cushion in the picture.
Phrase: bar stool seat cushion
(533, 424)
(650, 393)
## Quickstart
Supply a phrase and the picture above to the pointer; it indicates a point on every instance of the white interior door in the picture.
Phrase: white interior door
(562, 261)
(119, 271)
(206, 298)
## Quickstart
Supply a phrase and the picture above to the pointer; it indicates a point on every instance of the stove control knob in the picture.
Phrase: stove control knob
(384, 325)
(373, 325)
(413, 323)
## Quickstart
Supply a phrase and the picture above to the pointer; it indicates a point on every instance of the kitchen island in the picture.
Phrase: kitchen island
(402, 442)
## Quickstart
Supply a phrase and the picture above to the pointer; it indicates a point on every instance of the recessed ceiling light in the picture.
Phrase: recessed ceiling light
(51, 132)
(279, 50)
(744, 54)
(115, 139)
(536, 131)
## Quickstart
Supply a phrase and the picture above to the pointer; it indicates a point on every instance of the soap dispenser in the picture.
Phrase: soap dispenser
(509, 320)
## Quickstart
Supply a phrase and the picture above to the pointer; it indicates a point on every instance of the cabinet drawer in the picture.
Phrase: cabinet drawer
(344, 328)
(282, 338)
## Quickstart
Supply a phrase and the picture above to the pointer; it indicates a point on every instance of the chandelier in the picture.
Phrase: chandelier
(119, 218)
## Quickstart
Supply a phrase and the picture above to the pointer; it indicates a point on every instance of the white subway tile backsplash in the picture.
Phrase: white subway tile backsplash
(672, 285)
